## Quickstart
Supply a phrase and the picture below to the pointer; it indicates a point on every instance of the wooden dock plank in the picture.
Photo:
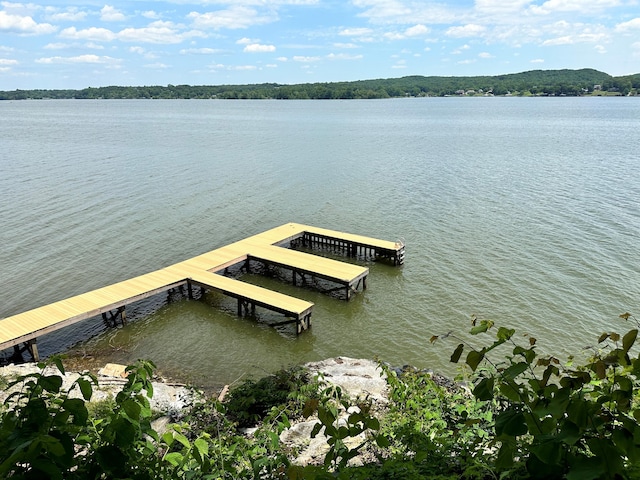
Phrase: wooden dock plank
(350, 237)
(262, 296)
(340, 272)
(28, 325)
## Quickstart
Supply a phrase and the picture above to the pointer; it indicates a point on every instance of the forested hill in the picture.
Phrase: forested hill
(535, 82)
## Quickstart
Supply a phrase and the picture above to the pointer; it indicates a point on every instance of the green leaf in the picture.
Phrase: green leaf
(85, 387)
(505, 456)
(310, 407)
(474, 357)
(510, 391)
(182, 439)
(167, 438)
(174, 458)
(514, 370)
(604, 449)
(603, 337)
(484, 389)
(570, 433)
(586, 469)
(50, 383)
(52, 445)
(202, 446)
(131, 408)
(578, 412)
(511, 423)
(483, 327)
(316, 430)
(505, 334)
(58, 363)
(548, 452)
(382, 441)
(629, 339)
(78, 409)
(457, 353)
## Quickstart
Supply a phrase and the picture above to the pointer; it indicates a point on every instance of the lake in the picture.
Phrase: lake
(522, 210)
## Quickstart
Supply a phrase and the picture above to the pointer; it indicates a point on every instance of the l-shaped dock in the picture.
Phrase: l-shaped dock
(275, 247)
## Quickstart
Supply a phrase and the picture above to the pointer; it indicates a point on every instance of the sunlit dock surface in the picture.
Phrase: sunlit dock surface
(207, 272)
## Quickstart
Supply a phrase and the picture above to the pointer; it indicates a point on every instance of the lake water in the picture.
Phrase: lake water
(522, 210)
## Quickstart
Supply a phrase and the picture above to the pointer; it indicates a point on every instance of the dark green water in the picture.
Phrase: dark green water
(525, 211)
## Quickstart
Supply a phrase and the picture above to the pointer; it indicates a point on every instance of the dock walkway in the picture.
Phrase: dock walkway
(206, 271)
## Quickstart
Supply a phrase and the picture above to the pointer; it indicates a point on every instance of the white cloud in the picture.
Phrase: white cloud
(23, 25)
(259, 48)
(8, 61)
(111, 14)
(346, 45)
(600, 49)
(92, 59)
(485, 55)
(72, 15)
(150, 14)
(246, 41)
(537, 60)
(501, 7)
(553, 6)
(235, 17)
(282, 59)
(56, 46)
(93, 33)
(469, 30)
(242, 67)
(157, 32)
(416, 30)
(573, 39)
(355, 32)
(629, 26)
(198, 51)
(343, 56)
(565, 40)
(300, 58)
(156, 66)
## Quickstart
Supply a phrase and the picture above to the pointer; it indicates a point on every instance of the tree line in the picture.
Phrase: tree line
(531, 83)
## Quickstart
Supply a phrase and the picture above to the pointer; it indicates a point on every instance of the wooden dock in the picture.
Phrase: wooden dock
(206, 271)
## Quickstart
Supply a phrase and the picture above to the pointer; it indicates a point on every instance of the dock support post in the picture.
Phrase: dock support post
(190, 289)
(33, 349)
(303, 324)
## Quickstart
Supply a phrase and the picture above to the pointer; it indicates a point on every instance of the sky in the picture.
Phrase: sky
(85, 43)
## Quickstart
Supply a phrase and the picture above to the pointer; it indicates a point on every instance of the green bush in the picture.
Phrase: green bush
(524, 415)
(555, 420)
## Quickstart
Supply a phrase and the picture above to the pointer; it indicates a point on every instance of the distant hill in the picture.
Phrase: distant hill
(535, 82)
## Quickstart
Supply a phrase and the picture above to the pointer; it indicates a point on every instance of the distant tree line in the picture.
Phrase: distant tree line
(532, 83)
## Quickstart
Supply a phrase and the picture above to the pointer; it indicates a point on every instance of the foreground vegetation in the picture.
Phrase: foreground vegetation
(522, 415)
(536, 82)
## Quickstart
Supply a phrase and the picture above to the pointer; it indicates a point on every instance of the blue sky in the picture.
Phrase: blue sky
(83, 43)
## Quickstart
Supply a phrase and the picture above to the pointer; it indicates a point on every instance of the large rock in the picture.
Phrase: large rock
(358, 379)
